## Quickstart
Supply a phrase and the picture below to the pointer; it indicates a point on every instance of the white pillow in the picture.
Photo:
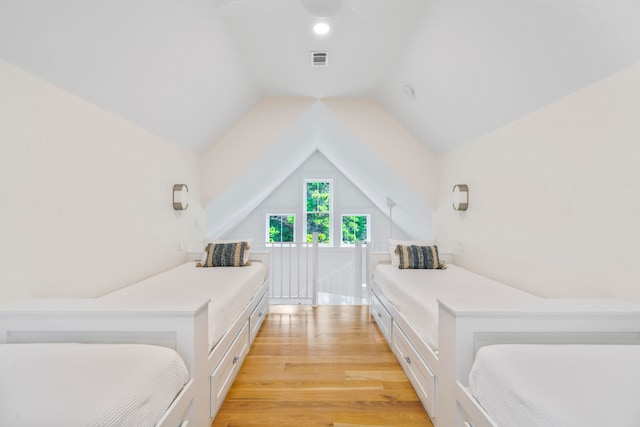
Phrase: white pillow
(247, 253)
(395, 259)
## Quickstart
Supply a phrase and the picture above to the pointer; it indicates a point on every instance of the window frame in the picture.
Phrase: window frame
(268, 216)
(306, 212)
(367, 238)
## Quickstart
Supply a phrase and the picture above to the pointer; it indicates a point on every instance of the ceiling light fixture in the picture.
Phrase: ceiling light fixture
(321, 28)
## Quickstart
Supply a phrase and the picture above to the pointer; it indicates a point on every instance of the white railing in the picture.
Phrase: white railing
(378, 246)
(346, 281)
(293, 271)
(299, 272)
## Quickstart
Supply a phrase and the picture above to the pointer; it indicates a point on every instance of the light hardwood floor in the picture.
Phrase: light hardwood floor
(323, 366)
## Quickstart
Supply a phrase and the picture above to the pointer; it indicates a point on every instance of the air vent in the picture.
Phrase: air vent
(319, 59)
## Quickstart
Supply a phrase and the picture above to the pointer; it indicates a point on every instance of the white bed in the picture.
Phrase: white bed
(551, 362)
(404, 303)
(83, 362)
(238, 303)
(415, 293)
(235, 300)
(106, 384)
(558, 385)
(229, 290)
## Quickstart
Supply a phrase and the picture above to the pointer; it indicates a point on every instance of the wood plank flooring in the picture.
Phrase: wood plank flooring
(322, 366)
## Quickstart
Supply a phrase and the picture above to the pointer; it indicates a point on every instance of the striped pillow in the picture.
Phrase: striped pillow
(419, 257)
(225, 254)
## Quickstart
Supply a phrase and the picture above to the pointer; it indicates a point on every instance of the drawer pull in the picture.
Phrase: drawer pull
(235, 359)
(467, 424)
(261, 313)
(379, 314)
(408, 360)
(185, 423)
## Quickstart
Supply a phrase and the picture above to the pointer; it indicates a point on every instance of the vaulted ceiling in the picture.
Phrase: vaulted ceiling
(449, 70)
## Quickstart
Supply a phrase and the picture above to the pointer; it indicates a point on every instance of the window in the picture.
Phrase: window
(318, 209)
(354, 227)
(281, 228)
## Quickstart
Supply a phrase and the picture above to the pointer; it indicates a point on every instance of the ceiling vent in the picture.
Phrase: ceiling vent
(319, 59)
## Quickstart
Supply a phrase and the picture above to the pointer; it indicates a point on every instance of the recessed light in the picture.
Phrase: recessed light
(321, 28)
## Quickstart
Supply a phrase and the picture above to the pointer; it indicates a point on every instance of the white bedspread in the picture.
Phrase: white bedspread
(559, 385)
(229, 288)
(80, 385)
(415, 293)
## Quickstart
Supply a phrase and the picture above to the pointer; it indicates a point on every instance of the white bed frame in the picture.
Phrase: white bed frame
(440, 378)
(178, 324)
(227, 356)
(465, 326)
(418, 360)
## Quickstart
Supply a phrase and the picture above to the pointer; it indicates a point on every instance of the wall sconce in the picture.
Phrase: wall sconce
(180, 197)
(460, 197)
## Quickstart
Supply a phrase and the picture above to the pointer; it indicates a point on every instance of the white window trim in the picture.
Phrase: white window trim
(342, 215)
(331, 181)
(267, 227)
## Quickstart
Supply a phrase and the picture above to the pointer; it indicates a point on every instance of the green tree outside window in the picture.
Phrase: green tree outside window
(354, 228)
(281, 228)
(318, 210)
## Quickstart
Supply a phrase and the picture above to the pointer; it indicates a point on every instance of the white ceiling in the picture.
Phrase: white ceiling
(187, 70)
(275, 39)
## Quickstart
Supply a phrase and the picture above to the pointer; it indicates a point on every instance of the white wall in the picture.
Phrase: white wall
(231, 155)
(362, 140)
(86, 196)
(390, 141)
(288, 197)
(348, 199)
(554, 196)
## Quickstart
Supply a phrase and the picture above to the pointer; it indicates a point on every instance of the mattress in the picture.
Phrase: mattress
(415, 293)
(558, 385)
(230, 289)
(68, 385)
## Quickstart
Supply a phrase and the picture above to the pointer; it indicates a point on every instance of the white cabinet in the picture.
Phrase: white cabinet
(257, 316)
(226, 371)
(417, 370)
(381, 316)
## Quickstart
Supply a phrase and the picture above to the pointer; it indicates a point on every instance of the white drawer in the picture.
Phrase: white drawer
(416, 368)
(258, 315)
(382, 317)
(228, 368)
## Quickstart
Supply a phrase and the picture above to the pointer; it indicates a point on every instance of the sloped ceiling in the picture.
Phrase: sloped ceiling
(319, 129)
(187, 70)
(168, 66)
(275, 39)
(477, 65)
